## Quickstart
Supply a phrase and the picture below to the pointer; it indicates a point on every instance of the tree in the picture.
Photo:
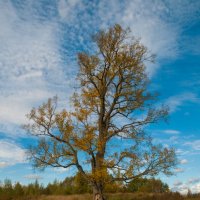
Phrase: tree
(34, 189)
(80, 184)
(103, 137)
(147, 185)
(18, 190)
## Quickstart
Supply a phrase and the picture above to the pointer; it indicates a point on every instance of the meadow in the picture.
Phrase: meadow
(113, 196)
(125, 196)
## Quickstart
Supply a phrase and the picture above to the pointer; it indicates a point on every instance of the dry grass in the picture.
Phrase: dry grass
(68, 197)
(121, 196)
(116, 196)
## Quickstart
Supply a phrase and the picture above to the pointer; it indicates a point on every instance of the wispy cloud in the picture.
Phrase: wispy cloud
(195, 188)
(178, 183)
(60, 170)
(194, 144)
(182, 187)
(182, 152)
(67, 9)
(3, 164)
(175, 102)
(193, 180)
(10, 153)
(171, 132)
(179, 170)
(183, 161)
(33, 176)
(30, 63)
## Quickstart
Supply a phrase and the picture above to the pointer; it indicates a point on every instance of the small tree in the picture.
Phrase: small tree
(103, 137)
(189, 193)
(147, 185)
(18, 190)
(8, 188)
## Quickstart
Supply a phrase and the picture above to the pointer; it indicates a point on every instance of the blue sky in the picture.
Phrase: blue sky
(39, 41)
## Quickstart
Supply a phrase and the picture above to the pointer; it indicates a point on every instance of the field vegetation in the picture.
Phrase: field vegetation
(75, 188)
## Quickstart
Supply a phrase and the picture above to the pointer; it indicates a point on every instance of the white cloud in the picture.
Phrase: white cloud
(183, 161)
(16, 105)
(159, 36)
(30, 64)
(174, 139)
(11, 153)
(194, 144)
(148, 20)
(192, 184)
(33, 176)
(173, 132)
(195, 188)
(178, 183)
(157, 23)
(60, 170)
(66, 8)
(180, 186)
(182, 152)
(3, 164)
(193, 180)
(175, 102)
(178, 170)
(183, 189)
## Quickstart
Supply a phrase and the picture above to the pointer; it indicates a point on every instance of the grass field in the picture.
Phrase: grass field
(111, 196)
(122, 196)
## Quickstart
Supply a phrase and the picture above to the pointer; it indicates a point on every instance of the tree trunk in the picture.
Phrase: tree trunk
(98, 193)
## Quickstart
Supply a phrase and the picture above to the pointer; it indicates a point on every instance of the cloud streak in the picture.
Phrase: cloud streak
(175, 102)
(10, 153)
(194, 144)
(171, 132)
(33, 176)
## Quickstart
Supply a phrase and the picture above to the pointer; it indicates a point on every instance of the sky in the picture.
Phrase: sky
(39, 41)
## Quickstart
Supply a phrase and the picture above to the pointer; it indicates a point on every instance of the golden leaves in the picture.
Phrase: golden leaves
(86, 140)
(64, 124)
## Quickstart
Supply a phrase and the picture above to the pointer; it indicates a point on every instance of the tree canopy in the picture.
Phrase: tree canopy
(103, 136)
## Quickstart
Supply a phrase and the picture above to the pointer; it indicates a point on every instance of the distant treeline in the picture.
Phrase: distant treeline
(77, 185)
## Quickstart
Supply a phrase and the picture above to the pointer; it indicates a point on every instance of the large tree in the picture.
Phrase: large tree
(103, 135)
